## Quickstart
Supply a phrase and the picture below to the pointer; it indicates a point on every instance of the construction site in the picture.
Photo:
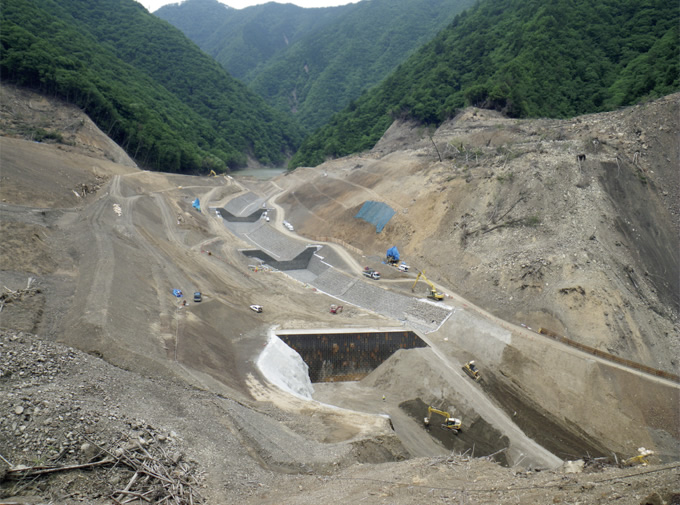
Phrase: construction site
(483, 314)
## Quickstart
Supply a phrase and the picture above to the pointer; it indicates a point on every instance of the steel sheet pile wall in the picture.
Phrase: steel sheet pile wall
(333, 357)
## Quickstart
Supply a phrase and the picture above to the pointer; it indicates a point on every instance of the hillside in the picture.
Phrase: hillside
(112, 389)
(245, 40)
(154, 92)
(312, 62)
(526, 59)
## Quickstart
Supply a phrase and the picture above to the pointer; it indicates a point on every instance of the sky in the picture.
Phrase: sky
(154, 5)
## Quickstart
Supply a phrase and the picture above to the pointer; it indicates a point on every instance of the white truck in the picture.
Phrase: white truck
(369, 272)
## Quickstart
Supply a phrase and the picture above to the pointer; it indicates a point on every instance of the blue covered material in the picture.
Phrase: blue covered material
(393, 253)
(376, 213)
(197, 205)
(177, 293)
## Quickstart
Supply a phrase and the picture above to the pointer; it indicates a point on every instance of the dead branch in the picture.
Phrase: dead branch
(521, 198)
(157, 478)
(22, 473)
(136, 495)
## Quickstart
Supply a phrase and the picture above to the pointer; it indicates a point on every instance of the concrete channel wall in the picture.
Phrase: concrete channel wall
(300, 262)
(337, 355)
(284, 252)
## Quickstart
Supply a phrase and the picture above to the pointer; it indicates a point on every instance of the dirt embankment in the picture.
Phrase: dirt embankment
(570, 225)
(509, 217)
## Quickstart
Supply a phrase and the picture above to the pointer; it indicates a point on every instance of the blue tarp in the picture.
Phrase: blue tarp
(177, 293)
(393, 253)
(197, 205)
(376, 213)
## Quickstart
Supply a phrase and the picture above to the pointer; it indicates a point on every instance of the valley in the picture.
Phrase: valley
(566, 225)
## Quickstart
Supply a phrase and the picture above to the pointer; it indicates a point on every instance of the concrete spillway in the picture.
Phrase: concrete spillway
(347, 355)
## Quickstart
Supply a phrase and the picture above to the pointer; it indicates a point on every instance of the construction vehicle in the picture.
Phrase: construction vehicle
(212, 174)
(369, 272)
(472, 370)
(640, 459)
(336, 309)
(450, 423)
(434, 294)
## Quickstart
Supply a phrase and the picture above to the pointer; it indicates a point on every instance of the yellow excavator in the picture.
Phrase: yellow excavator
(640, 459)
(434, 294)
(450, 423)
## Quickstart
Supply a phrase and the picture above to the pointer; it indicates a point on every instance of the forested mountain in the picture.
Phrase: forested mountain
(168, 104)
(312, 62)
(245, 40)
(527, 58)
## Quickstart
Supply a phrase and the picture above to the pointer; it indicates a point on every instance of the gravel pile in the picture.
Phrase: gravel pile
(45, 424)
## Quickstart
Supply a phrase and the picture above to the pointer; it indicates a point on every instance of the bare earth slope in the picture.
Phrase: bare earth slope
(166, 401)
(511, 219)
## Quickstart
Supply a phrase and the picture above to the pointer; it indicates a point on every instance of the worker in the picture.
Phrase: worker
(383, 397)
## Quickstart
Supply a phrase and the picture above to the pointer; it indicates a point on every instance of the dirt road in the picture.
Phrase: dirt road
(106, 261)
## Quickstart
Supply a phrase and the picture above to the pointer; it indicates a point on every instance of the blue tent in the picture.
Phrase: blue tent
(393, 254)
(197, 205)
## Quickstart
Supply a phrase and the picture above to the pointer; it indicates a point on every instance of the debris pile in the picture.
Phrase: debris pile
(11, 296)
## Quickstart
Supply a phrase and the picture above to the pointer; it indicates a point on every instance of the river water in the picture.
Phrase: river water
(258, 173)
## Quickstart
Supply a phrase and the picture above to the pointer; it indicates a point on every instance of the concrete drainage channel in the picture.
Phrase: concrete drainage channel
(294, 359)
(308, 264)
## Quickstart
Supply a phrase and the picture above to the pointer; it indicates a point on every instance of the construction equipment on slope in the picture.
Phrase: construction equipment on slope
(450, 423)
(392, 255)
(434, 294)
(212, 174)
(336, 309)
(372, 274)
(640, 459)
(472, 370)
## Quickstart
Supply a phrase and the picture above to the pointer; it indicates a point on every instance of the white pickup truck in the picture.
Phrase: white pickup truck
(369, 272)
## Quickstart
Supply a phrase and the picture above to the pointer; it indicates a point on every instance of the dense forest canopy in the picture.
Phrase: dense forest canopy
(170, 106)
(245, 40)
(174, 108)
(527, 58)
(313, 62)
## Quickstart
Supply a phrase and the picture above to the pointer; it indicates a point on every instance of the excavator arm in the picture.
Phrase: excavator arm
(413, 288)
(434, 294)
(450, 423)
